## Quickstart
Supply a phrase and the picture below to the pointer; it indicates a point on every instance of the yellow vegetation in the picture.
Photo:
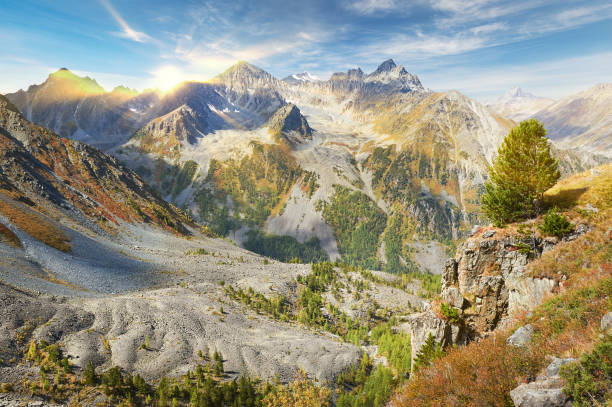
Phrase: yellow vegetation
(300, 393)
(35, 225)
(8, 237)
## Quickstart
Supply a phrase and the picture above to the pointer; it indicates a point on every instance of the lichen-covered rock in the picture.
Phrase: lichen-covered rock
(546, 390)
(521, 337)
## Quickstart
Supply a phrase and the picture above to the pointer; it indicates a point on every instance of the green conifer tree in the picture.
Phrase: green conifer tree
(522, 171)
(429, 352)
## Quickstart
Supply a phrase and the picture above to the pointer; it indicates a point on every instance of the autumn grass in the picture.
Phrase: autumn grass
(8, 237)
(35, 225)
(590, 187)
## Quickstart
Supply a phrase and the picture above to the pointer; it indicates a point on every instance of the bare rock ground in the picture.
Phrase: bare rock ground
(170, 295)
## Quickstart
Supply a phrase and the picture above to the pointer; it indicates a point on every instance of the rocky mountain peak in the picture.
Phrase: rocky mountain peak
(395, 76)
(386, 66)
(244, 70)
(517, 92)
(289, 122)
(72, 82)
(355, 74)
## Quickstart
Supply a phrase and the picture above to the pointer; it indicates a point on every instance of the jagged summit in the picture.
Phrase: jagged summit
(394, 76)
(351, 75)
(387, 77)
(386, 66)
(517, 92)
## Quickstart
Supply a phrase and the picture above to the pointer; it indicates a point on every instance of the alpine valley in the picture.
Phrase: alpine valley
(252, 241)
(368, 168)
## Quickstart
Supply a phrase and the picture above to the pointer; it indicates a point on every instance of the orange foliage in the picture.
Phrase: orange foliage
(8, 237)
(35, 225)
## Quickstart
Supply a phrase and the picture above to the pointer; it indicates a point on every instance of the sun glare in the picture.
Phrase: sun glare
(167, 77)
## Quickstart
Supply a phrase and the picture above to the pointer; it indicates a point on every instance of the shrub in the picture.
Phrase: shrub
(555, 224)
(589, 382)
(450, 313)
(90, 377)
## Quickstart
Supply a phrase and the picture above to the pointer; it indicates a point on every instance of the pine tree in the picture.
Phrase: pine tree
(523, 170)
(429, 352)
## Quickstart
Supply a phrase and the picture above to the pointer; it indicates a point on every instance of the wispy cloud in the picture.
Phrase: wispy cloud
(127, 31)
(372, 6)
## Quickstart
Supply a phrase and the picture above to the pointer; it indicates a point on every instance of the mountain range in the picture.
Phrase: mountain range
(260, 159)
(118, 277)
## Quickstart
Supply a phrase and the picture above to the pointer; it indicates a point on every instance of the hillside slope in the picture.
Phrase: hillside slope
(582, 120)
(556, 302)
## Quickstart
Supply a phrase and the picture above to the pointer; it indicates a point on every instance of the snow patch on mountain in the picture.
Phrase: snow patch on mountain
(301, 78)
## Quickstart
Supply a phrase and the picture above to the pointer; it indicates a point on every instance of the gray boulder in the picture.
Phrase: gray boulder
(488, 234)
(547, 393)
(521, 337)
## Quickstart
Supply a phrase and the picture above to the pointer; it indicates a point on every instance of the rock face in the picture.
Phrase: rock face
(486, 281)
(546, 393)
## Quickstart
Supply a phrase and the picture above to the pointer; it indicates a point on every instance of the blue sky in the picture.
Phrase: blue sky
(548, 47)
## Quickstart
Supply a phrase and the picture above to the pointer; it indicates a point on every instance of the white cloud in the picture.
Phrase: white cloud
(127, 31)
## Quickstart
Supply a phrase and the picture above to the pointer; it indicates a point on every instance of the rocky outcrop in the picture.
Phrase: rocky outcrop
(166, 135)
(486, 279)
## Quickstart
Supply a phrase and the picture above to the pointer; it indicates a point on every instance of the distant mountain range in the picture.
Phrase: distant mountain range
(518, 105)
(361, 166)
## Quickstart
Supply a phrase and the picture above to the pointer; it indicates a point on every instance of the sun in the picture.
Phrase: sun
(167, 77)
